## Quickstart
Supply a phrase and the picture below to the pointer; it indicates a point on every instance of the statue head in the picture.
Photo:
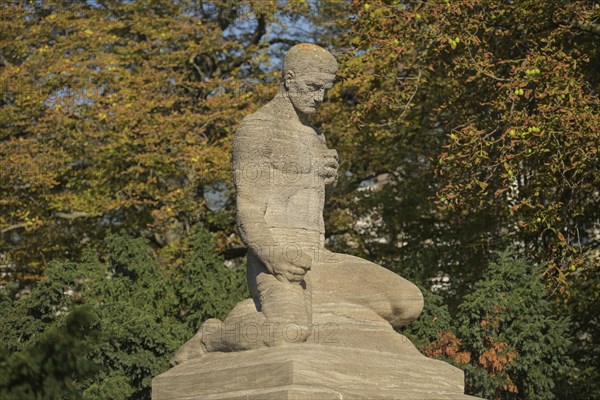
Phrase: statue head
(308, 71)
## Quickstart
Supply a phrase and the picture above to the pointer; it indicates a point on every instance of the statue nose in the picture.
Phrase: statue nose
(319, 95)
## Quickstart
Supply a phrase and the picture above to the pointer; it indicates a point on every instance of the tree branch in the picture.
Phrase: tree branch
(290, 42)
(3, 61)
(236, 252)
(72, 215)
(13, 227)
(260, 31)
(589, 27)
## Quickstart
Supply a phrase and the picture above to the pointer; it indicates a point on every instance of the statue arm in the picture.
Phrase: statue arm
(252, 178)
(251, 164)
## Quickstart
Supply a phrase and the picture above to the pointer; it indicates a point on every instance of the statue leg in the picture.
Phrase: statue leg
(278, 313)
(239, 331)
(362, 282)
(287, 307)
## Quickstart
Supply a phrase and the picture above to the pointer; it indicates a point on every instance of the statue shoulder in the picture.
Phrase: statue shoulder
(254, 135)
(259, 121)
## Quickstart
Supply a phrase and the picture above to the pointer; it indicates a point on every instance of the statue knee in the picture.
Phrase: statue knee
(287, 310)
(408, 305)
(289, 333)
(416, 304)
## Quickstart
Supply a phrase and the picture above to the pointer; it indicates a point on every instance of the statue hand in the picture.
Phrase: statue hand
(291, 270)
(330, 164)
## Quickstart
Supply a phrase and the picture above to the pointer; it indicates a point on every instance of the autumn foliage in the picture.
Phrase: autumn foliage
(464, 128)
(116, 115)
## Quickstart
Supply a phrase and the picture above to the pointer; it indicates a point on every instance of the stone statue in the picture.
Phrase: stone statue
(281, 167)
(319, 325)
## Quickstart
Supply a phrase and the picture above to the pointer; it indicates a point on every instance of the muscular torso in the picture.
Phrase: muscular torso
(291, 155)
(297, 191)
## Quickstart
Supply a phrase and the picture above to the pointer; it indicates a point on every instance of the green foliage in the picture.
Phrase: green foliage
(142, 312)
(434, 320)
(518, 346)
(477, 119)
(584, 377)
(54, 363)
(505, 336)
(210, 280)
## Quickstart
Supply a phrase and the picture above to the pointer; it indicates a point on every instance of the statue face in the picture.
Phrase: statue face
(306, 92)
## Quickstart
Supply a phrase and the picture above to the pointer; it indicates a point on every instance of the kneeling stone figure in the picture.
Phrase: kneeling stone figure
(281, 167)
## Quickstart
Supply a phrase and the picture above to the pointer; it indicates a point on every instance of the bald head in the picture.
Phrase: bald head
(307, 58)
(308, 71)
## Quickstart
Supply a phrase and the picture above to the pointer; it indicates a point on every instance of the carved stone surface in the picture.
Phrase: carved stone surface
(281, 167)
(351, 353)
(311, 371)
(319, 324)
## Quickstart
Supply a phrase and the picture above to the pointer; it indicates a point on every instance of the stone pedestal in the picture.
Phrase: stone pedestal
(352, 353)
(310, 371)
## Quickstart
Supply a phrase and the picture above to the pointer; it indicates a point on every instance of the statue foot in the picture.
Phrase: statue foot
(191, 349)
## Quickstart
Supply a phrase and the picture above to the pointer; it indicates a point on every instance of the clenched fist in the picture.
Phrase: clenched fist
(290, 269)
(329, 164)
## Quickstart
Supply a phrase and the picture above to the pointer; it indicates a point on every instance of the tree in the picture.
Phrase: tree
(434, 322)
(433, 91)
(51, 367)
(478, 124)
(505, 336)
(102, 328)
(120, 114)
(518, 346)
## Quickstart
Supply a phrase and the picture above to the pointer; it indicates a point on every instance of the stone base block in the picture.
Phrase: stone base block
(310, 371)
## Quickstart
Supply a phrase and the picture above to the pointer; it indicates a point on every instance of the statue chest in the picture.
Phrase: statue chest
(296, 152)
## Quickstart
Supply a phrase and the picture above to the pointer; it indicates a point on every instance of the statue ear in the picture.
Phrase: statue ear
(289, 77)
